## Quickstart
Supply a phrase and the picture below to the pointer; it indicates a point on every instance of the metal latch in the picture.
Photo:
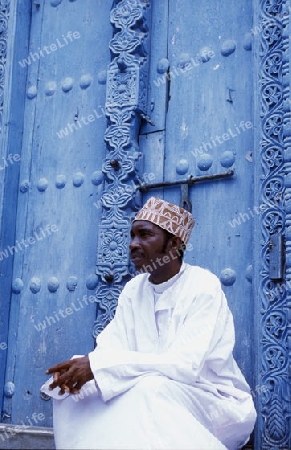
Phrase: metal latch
(277, 258)
(190, 181)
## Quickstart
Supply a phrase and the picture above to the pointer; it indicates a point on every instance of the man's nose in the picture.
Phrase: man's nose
(134, 243)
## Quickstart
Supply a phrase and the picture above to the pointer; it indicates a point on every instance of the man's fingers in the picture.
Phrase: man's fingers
(74, 391)
(64, 379)
(71, 374)
(59, 367)
(53, 385)
(77, 387)
(56, 376)
(64, 389)
(53, 369)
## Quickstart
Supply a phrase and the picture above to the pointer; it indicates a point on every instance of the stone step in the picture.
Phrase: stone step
(26, 437)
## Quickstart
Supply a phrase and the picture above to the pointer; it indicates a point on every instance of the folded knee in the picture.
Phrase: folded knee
(149, 384)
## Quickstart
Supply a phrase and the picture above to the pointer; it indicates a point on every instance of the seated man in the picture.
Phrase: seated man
(162, 375)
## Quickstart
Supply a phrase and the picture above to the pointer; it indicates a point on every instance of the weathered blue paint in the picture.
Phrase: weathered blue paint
(207, 108)
(15, 24)
(179, 101)
(214, 132)
(57, 196)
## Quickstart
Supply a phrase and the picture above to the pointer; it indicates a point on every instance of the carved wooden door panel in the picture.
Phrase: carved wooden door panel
(52, 306)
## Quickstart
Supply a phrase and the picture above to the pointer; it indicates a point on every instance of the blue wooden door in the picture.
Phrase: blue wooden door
(50, 246)
(193, 89)
(200, 98)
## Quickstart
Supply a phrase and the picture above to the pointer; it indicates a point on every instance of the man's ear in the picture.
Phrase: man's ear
(176, 242)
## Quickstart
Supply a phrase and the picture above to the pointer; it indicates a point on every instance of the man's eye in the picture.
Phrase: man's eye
(145, 233)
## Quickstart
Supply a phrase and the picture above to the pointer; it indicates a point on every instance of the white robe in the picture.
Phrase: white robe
(165, 374)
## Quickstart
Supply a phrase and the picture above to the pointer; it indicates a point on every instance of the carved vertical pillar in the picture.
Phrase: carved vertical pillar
(274, 398)
(125, 105)
(4, 16)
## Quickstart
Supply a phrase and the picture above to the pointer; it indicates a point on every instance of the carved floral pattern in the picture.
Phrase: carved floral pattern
(123, 89)
(124, 41)
(273, 95)
(274, 358)
(276, 324)
(3, 23)
(118, 196)
(274, 294)
(273, 405)
(107, 300)
(124, 104)
(273, 157)
(112, 249)
(272, 34)
(4, 17)
(127, 13)
(273, 126)
(123, 171)
(118, 136)
(274, 190)
(272, 7)
(273, 65)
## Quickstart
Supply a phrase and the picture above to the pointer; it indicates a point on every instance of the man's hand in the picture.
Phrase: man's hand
(71, 375)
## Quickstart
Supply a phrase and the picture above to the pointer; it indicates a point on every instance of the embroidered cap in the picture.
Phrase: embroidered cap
(170, 217)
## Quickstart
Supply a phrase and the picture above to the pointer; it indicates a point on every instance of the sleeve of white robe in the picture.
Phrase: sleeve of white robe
(116, 368)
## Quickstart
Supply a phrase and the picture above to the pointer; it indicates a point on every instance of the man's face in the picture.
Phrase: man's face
(148, 242)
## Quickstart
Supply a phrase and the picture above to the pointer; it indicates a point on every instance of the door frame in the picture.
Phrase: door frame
(17, 16)
(272, 183)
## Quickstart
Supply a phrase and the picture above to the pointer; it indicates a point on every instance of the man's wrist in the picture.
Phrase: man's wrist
(91, 362)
